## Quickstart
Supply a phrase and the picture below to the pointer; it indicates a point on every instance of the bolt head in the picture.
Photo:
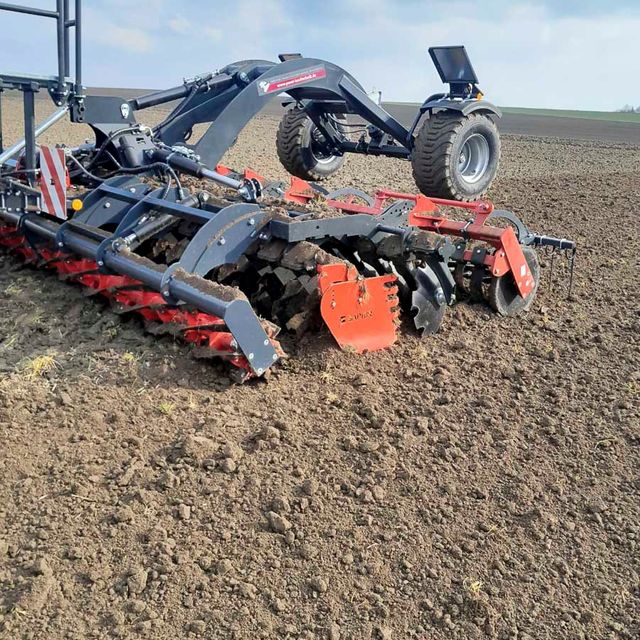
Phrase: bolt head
(100, 263)
(107, 205)
(250, 356)
(266, 342)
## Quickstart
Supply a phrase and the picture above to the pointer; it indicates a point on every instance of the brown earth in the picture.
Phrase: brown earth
(482, 483)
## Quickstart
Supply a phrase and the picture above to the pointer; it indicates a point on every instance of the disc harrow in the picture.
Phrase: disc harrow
(223, 259)
(243, 271)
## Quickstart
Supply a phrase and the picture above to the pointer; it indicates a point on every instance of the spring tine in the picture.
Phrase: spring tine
(552, 260)
(572, 261)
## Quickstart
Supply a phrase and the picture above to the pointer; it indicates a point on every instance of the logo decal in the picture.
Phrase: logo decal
(283, 83)
(362, 315)
(125, 110)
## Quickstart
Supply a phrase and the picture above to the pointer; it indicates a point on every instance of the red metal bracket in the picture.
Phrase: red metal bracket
(247, 174)
(423, 203)
(508, 254)
(223, 169)
(299, 191)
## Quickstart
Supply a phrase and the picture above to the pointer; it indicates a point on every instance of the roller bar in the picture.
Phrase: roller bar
(176, 287)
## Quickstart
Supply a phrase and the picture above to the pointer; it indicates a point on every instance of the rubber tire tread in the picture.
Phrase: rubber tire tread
(292, 142)
(431, 159)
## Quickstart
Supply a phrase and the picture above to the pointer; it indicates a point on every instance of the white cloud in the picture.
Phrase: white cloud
(130, 39)
(116, 30)
(214, 33)
(524, 54)
(180, 25)
(255, 27)
(527, 57)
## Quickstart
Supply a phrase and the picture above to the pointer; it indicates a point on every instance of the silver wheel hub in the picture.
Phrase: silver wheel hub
(474, 158)
(317, 141)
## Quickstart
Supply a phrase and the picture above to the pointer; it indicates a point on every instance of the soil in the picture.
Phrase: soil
(482, 483)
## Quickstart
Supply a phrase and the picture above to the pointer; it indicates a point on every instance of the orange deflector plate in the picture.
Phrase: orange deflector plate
(360, 312)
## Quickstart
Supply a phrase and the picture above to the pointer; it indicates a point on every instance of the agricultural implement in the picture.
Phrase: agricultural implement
(226, 260)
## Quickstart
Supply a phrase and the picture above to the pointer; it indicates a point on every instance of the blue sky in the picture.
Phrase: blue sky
(576, 54)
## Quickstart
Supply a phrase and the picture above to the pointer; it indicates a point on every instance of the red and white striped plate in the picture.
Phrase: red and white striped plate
(53, 181)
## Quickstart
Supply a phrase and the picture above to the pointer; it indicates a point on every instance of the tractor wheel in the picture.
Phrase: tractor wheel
(456, 156)
(299, 145)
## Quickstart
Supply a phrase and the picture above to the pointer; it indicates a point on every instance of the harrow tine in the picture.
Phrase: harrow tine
(552, 261)
(572, 262)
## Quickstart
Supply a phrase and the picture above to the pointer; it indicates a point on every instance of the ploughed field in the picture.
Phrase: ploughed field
(481, 483)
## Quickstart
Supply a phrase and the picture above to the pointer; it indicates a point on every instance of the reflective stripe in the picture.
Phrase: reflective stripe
(53, 181)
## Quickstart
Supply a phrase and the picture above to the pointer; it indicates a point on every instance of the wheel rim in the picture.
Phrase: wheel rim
(316, 147)
(474, 157)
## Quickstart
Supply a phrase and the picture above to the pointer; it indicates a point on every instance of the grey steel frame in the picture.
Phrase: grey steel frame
(60, 87)
(229, 99)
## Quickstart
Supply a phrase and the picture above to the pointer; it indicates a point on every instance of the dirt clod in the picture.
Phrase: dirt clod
(137, 580)
(198, 627)
(228, 465)
(124, 515)
(318, 584)
(224, 567)
(309, 487)
(278, 523)
(184, 512)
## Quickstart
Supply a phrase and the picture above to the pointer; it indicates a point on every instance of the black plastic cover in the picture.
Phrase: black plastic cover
(453, 65)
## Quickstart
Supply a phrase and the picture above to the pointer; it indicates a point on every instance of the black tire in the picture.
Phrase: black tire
(296, 150)
(438, 151)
